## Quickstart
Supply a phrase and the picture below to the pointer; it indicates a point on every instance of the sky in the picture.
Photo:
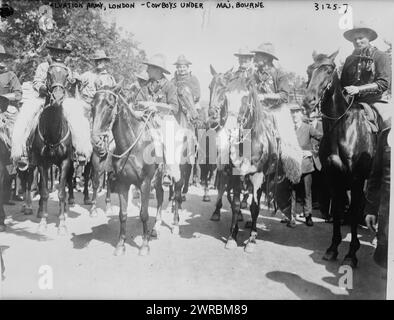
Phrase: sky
(211, 35)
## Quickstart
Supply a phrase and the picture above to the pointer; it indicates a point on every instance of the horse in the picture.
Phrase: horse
(52, 144)
(130, 161)
(218, 113)
(346, 149)
(4, 161)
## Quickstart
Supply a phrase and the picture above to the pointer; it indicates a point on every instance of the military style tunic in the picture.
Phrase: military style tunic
(190, 81)
(92, 81)
(367, 66)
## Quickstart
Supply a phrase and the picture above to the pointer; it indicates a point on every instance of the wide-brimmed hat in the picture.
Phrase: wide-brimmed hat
(100, 55)
(266, 48)
(159, 61)
(4, 54)
(182, 60)
(244, 52)
(142, 75)
(59, 46)
(360, 27)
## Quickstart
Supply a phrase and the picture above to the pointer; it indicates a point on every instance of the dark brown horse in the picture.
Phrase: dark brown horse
(346, 149)
(52, 144)
(131, 161)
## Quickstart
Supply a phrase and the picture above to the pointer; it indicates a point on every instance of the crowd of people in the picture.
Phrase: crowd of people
(366, 76)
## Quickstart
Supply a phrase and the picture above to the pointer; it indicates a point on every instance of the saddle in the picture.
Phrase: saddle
(371, 116)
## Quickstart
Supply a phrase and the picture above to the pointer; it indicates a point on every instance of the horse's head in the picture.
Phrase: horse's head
(104, 111)
(217, 110)
(320, 76)
(56, 83)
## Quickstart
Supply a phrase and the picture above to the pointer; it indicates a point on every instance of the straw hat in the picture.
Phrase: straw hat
(159, 61)
(360, 27)
(266, 48)
(244, 52)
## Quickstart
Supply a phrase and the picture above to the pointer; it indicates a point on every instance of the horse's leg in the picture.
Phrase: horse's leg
(66, 164)
(254, 211)
(235, 185)
(337, 208)
(186, 170)
(27, 183)
(108, 206)
(94, 168)
(86, 176)
(44, 195)
(123, 200)
(204, 179)
(144, 216)
(355, 210)
(159, 198)
(2, 186)
(69, 181)
(177, 202)
(221, 188)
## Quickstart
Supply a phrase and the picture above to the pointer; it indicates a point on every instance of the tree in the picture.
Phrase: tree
(34, 24)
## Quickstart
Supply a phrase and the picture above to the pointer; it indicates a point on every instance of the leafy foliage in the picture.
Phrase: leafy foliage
(26, 33)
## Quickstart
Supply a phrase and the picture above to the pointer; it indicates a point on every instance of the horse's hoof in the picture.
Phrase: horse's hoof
(240, 217)
(144, 251)
(28, 211)
(231, 244)
(94, 213)
(87, 202)
(62, 231)
(215, 216)
(175, 230)
(120, 250)
(330, 255)
(350, 261)
(250, 247)
(155, 233)
(206, 198)
(183, 197)
(244, 205)
(3, 228)
(248, 224)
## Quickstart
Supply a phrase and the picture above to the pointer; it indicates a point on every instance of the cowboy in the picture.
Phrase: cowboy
(72, 109)
(162, 99)
(366, 74)
(245, 61)
(97, 78)
(139, 87)
(305, 133)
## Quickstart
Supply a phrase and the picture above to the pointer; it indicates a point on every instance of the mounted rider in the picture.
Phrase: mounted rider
(245, 62)
(160, 96)
(273, 92)
(96, 79)
(10, 97)
(72, 109)
(366, 74)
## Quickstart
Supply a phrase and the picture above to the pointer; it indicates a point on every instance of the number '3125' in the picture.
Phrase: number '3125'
(330, 6)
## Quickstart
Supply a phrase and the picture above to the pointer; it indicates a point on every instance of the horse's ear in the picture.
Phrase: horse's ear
(314, 55)
(333, 56)
(213, 71)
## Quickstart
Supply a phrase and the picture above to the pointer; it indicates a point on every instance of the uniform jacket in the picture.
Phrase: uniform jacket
(273, 80)
(9, 83)
(92, 81)
(367, 66)
(190, 81)
(305, 133)
(315, 145)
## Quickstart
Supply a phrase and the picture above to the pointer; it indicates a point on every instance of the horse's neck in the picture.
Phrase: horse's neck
(335, 104)
(124, 129)
(51, 124)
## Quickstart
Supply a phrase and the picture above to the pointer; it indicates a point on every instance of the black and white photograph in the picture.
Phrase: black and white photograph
(196, 150)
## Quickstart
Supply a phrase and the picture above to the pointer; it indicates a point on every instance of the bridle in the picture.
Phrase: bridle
(57, 84)
(326, 89)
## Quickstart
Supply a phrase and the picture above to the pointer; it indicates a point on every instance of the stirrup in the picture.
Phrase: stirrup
(81, 159)
(23, 163)
(166, 180)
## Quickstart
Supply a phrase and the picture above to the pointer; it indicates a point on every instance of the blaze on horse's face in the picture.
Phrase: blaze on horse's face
(217, 97)
(320, 75)
(104, 108)
(56, 83)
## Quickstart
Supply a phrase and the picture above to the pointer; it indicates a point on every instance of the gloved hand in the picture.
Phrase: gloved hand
(43, 91)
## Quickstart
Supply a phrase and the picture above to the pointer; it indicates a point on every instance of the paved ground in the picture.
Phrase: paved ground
(287, 263)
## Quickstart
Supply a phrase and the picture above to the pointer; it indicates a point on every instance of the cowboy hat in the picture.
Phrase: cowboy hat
(159, 61)
(295, 107)
(360, 27)
(244, 52)
(3, 54)
(182, 60)
(59, 45)
(100, 55)
(266, 48)
(142, 75)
